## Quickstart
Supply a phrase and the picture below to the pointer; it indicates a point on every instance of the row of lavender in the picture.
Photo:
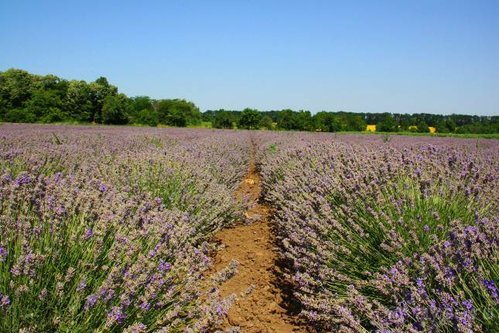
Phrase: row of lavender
(381, 235)
(105, 229)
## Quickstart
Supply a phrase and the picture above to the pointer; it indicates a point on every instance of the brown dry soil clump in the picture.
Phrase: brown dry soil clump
(259, 304)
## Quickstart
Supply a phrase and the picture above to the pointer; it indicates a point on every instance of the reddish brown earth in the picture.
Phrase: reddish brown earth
(258, 306)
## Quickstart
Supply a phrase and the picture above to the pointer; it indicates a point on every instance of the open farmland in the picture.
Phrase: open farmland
(115, 228)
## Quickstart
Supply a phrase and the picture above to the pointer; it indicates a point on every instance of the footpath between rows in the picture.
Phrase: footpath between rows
(259, 303)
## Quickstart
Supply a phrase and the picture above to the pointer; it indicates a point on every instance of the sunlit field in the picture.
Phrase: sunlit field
(110, 228)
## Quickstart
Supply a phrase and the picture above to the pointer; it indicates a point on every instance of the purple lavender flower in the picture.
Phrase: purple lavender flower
(470, 229)
(145, 306)
(116, 314)
(468, 304)
(164, 266)
(417, 326)
(465, 319)
(491, 288)
(4, 301)
(57, 177)
(7, 177)
(22, 180)
(138, 328)
(90, 301)
(103, 187)
(220, 310)
(417, 172)
(82, 285)
(88, 233)
(3, 253)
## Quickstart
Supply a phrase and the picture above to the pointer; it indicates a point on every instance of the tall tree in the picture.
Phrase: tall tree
(46, 106)
(115, 109)
(250, 119)
(266, 122)
(78, 101)
(142, 110)
(178, 112)
(100, 90)
(16, 87)
(223, 119)
(287, 120)
(387, 123)
(326, 122)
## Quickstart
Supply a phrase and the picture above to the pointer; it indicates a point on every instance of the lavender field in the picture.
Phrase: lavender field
(387, 234)
(105, 229)
(110, 228)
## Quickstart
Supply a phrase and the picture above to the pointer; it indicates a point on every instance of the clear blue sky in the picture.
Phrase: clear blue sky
(363, 56)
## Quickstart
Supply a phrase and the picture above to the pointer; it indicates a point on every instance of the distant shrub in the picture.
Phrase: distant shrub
(20, 116)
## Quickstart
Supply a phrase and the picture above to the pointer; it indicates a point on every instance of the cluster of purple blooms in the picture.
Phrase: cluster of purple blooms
(392, 235)
(106, 229)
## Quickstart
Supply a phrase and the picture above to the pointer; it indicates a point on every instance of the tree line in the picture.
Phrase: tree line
(341, 121)
(30, 98)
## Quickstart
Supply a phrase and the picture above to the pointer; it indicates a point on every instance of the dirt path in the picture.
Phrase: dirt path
(258, 301)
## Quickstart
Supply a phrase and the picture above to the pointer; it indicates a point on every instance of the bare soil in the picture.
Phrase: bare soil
(261, 303)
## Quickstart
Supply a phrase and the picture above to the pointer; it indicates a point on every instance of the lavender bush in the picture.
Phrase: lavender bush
(105, 229)
(387, 236)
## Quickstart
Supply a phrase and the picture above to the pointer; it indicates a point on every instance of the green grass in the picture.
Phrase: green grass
(203, 124)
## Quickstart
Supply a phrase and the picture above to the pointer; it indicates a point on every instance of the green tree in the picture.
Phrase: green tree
(286, 120)
(54, 115)
(52, 83)
(178, 112)
(189, 111)
(422, 127)
(177, 118)
(326, 122)
(147, 117)
(223, 119)
(442, 127)
(115, 109)
(78, 101)
(387, 124)
(168, 114)
(355, 123)
(20, 116)
(250, 119)
(451, 125)
(304, 121)
(140, 103)
(43, 102)
(16, 87)
(266, 122)
(137, 105)
(100, 90)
